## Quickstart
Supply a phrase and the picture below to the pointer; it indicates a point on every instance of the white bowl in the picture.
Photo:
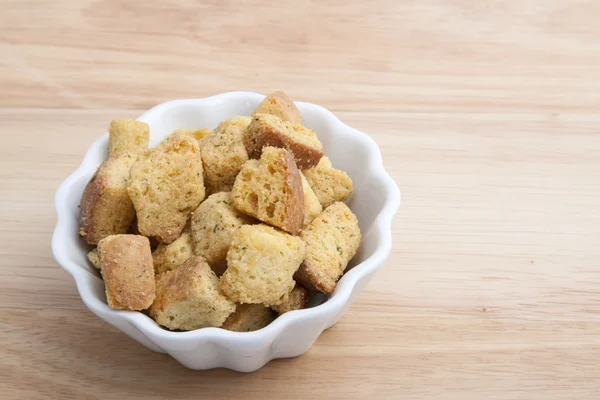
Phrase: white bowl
(375, 200)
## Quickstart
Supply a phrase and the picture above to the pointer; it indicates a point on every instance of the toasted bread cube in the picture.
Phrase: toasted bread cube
(166, 186)
(223, 154)
(312, 205)
(331, 239)
(269, 130)
(295, 301)
(279, 104)
(248, 317)
(170, 256)
(128, 136)
(126, 264)
(271, 190)
(329, 184)
(213, 224)
(189, 297)
(261, 263)
(106, 208)
(94, 258)
(198, 134)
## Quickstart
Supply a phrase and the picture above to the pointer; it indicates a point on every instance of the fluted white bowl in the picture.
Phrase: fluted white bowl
(375, 200)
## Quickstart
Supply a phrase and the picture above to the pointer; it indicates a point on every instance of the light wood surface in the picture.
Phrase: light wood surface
(487, 116)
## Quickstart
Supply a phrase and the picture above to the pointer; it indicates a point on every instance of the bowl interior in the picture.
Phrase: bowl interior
(347, 148)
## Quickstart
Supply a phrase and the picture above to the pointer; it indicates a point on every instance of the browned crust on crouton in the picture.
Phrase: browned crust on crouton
(105, 207)
(91, 197)
(262, 133)
(126, 263)
(278, 103)
(311, 278)
(295, 217)
(296, 301)
(248, 318)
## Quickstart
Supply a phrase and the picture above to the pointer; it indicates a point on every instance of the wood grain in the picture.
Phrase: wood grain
(487, 116)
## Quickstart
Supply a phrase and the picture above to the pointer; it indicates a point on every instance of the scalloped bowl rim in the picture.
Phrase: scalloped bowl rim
(336, 302)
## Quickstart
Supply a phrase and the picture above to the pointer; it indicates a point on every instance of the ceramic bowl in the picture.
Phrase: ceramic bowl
(375, 200)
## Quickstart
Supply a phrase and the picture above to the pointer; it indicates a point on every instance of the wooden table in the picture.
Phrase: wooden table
(487, 116)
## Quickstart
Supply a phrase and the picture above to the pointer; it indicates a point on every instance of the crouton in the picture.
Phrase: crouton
(189, 297)
(331, 240)
(248, 317)
(223, 154)
(166, 186)
(312, 205)
(126, 264)
(94, 258)
(278, 103)
(128, 136)
(105, 207)
(213, 224)
(261, 263)
(269, 130)
(169, 256)
(295, 301)
(271, 190)
(329, 184)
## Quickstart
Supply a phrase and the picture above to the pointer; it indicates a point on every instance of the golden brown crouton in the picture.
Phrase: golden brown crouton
(128, 136)
(189, 297)
(331, 239)
(223, 154)
(126, 263)
(278, 103)
(198, 134)
(213, 224)
(248, 317)
(295, 301)
(105, 207)
(170, 256)
(269, 130)
(271, 190)
(94, 258)
(312, 206)
(261, 263)
(329, 184)
(166, 186)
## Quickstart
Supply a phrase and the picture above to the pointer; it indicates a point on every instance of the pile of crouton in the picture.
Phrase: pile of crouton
(226, 228)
